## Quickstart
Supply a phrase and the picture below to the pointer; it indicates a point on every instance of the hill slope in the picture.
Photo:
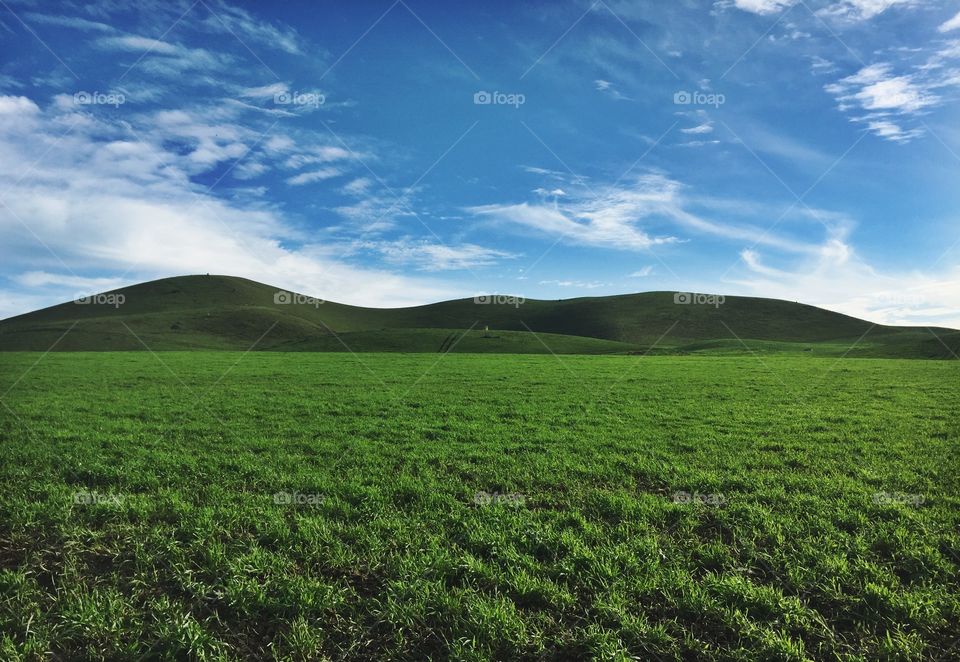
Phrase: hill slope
(223, 312)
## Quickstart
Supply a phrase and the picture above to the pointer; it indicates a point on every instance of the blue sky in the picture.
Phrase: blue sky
(396, 153)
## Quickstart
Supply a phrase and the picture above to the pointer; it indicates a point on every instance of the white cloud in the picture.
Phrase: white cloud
(952, 24)
(821, 66)
(586, 285)
(578, 230)
(137, 43)
(167, 59)
(314, 176)
(781, 143)
(208, 140)
(556, 192)
(706, 127)
(859, 10)
(615, 216)
(375, 213)
(555, 174)
(891, 131)
(320, 154)
(432, 256)
(642, 273)
(862, 10)
(79, 283)
(16, 106)
(838, 279)
(265, 91)
(253, 32)
(69, 22)
(610, 90)
(278, 144)
(763, 6)
(886, 101)
(612, 220)
(249, 169)
(241, 24)
(358, 186)
(897, 93)
(9, 81)
(752, 259)
(110, 205)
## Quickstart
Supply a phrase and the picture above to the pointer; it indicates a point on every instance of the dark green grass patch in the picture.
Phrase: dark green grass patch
(332, 506)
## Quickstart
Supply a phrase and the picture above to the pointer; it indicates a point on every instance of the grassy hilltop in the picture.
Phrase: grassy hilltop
(223, 312)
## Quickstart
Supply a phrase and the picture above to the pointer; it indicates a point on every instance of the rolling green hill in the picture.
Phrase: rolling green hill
(223, 312)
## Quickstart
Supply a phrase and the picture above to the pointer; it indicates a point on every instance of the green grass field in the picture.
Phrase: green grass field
(412, 506)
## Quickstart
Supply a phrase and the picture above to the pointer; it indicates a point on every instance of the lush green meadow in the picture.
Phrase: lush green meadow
(406, 506)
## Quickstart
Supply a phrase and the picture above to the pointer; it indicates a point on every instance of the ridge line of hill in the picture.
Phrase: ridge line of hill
(217, 312)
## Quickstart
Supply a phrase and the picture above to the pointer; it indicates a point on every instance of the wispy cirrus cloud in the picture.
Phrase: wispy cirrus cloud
(163, 57)
(610, 90)
(576, 226)
(763, 6)
(236, 21)
(889, 102)
(951, 24)
(211, 17)
(429, 255)
(621, 216)
(706, 127)
(612, 219)
(314, 176)
(862, 10)
(854, 10)
(111, 203)
(75, 22)
(578, 284)
(838, 278)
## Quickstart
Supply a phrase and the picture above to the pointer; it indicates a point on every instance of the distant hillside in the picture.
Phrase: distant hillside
(228, 313)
